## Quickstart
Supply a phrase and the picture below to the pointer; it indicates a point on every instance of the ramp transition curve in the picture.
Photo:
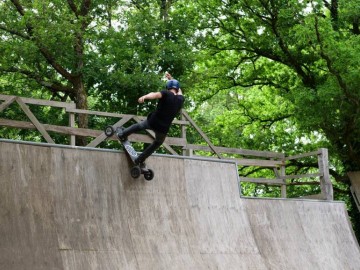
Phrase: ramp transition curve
(72, 208)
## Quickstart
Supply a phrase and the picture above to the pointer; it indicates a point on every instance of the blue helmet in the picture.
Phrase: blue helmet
(172, 84)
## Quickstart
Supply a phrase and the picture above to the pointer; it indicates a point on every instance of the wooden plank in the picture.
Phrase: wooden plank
(282, 172)
(262, 181)
(102, 136)
(255, 162)
(325, 183)
(307, 183)
(118, 115)
(79, 111)
(355, 196)
(244, 152)
(260, 162)
(183, 135)
(34, 120)
(301, 176)
(181, 122)
(313, 197)
(58, 129)
(87, 132)
(201, 133)
(72, 124)
(5, 97)
(175, 121)
(280, 179)
(7, 103)
(309, 154)
(174, 141)
(42, 102)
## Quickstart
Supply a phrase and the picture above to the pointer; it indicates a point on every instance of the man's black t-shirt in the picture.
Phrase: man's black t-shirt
(168, 107)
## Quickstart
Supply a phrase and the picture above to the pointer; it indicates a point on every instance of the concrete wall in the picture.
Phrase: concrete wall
(64, 208)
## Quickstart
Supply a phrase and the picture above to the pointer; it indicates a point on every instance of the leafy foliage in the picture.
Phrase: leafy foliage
(282, 76)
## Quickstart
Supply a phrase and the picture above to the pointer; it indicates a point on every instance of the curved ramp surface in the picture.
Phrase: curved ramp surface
(71, 208)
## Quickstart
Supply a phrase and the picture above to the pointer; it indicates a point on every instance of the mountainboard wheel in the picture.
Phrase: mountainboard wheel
(135, 172)
(149, 175)
(109, 131)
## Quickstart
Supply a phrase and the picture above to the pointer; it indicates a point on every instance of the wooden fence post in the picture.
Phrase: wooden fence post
(72, 124)
(34, 120)
(325, 183)
(183, 132)
(283, 187)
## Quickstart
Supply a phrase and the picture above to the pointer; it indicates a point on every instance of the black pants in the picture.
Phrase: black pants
(159, 139)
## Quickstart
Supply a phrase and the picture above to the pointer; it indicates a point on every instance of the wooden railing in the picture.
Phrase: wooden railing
(243, 157)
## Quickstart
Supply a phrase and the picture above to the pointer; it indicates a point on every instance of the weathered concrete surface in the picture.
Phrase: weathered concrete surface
(80, 209)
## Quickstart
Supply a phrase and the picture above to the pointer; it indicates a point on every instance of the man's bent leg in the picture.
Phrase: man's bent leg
(123, 134)
(159, 139)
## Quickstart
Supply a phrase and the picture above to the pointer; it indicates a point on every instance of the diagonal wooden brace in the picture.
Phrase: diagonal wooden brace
(99, 139)
(201, 133)
(34, 120)
(7, 103)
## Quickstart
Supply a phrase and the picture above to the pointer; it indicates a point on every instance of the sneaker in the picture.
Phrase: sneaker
(142, 165)
(120, 134)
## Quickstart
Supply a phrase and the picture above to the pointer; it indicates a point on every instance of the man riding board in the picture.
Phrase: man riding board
(170, 102)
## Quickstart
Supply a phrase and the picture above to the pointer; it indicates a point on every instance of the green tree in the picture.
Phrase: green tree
(153, 37)
(289, 70)
(293, 48)
(104, 52)
(44, 42)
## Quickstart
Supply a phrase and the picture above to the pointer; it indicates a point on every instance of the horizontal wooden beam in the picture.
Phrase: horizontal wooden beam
(118, 115)
(71, 108)
(280, 181)
(255, 162)
(260, 163)
(313, 197)
(301, 176)
(42, 102)
(87, 132)
(311, 183)
(309, 154)
(269, 181)
(79, 111)
(243, 152)
(202, 134)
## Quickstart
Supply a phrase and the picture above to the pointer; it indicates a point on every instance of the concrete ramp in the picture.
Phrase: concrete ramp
(63, 208)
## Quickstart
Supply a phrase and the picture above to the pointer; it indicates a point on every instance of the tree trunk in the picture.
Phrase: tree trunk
(356, 28)
(81, 103)
(164, 15)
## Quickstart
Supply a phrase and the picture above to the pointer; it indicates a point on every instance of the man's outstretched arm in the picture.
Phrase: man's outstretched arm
(152, 95)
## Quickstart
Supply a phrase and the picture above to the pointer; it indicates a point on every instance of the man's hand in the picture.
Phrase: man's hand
(168, 76)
